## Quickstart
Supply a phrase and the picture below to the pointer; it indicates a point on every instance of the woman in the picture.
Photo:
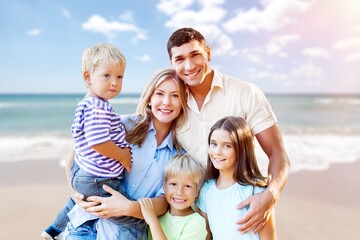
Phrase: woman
(151, 132)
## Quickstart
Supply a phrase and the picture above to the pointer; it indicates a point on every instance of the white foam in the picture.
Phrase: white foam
(316, 152)
(305, 151)
(23, 148)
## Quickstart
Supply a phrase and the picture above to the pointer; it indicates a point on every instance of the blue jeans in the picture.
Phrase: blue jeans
(135, 229)
(90, 185)
(87, 231)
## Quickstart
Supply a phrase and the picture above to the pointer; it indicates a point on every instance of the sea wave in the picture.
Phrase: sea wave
(305, 151)
(327, 101)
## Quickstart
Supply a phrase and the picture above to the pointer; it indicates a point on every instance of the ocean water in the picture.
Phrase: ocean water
(317, 130)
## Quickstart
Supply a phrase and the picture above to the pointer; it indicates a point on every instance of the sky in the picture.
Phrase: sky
(282, 46)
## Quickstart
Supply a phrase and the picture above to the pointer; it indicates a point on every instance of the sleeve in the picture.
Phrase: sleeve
(200, 202)
(260, 115)
(195, 229)
(97, 123)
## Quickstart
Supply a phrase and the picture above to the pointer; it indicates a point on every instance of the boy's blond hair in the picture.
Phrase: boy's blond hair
(92, 56)
(185, 165)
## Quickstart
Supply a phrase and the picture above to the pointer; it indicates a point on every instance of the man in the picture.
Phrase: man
(212, 96)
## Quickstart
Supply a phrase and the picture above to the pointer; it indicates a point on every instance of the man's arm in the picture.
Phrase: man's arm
(117, 205)
(261, 205)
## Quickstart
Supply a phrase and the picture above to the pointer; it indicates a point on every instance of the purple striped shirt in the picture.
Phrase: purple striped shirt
(96, 122)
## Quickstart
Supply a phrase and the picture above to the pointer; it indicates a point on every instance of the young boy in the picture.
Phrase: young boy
(101, 151)
(183, 177)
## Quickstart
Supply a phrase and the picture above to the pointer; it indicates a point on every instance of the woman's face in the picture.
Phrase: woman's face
(165, 102)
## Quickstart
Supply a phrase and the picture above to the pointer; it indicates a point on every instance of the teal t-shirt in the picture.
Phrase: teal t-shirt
(220, 207)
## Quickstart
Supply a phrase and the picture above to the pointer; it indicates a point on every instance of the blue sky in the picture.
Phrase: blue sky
(283, 46)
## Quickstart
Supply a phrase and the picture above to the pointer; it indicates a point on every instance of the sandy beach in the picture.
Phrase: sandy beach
(314, 205)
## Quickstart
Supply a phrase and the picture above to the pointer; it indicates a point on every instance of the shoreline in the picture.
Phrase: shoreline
(313, 205)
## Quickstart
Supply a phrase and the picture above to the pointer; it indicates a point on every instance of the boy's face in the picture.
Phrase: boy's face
(106, 80)
(180, 193)
(191, 62)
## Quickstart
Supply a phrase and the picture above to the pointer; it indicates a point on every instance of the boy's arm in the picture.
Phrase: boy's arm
(110, 150)
(262, 204)
(148, 212)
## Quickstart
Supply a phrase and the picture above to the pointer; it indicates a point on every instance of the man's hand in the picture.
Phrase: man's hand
(261, 206)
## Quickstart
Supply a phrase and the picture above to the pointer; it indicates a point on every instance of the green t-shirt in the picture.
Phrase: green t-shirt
(188, 227)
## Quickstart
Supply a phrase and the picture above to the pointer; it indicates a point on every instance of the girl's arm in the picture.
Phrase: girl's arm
(110, 150)
(268, 232)
(148, 211)
(117, 205)
(204, 215)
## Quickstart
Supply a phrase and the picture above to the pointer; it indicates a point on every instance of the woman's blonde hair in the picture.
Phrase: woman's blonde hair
(138, 134)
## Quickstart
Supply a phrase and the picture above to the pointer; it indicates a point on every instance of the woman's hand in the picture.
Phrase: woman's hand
(114, 206)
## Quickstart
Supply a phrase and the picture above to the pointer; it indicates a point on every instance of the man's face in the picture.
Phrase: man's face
(191, 63)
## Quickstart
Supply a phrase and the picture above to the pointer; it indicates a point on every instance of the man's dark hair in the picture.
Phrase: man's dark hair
(184, 35)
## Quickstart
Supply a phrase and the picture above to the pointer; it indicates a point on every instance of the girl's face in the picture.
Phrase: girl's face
(106, 80)
(165, 103)
(180, 193)
(221, 151)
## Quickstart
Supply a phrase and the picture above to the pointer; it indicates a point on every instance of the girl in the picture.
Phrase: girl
(233, 175)
(151, 133)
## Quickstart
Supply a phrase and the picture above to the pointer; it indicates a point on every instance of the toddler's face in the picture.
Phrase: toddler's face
(106, 80)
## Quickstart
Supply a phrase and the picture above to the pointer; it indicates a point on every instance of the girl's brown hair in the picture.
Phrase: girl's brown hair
(246, 171)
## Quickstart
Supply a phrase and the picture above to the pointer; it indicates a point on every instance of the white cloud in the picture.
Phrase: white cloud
(99, 24)
(275, 15)
(353, 57)
(316, 53)
(127, 16)
(170, 7)
(35, 32)
(253, 55)
(356, 29)
(207, 15)
(144, 58)
(66, 12)
(276, 44)
(256, 74)
(308, 71)
(347, 43)
(206, 20)
(219, 42)
(139, 36)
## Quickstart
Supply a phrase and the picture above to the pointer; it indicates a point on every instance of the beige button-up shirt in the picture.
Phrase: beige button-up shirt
(228, 96)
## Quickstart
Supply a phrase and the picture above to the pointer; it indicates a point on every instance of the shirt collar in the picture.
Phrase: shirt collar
(216, 82)
(168, 141)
